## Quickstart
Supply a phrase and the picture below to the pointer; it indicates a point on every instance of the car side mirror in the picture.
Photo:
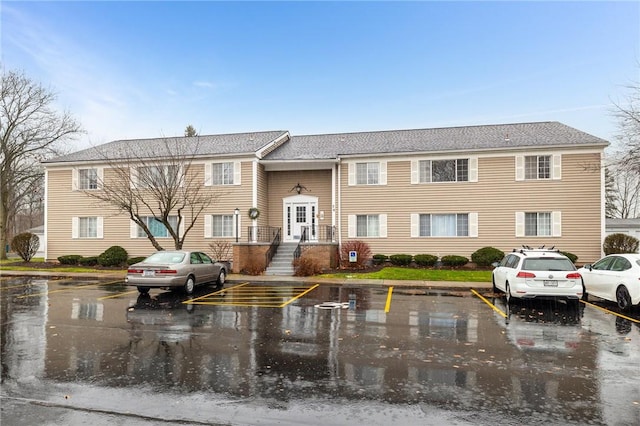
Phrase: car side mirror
(588, 266)
(495, 264)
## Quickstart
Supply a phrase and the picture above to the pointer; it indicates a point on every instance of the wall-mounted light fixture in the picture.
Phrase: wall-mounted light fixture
(298, 188)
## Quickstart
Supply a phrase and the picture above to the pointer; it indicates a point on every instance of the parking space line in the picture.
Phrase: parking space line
(253, 296)
(387, 306)
(62, 290)
(300, 295)
(610, 312)
(494, 307)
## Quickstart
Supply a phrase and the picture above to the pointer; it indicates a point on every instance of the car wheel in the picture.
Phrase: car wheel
(221, 278)
(623, 298)
(189, 285)
(493, 282)
(507, 292)
(143, 290)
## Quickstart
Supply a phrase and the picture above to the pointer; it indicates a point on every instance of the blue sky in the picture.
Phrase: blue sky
(148, 69)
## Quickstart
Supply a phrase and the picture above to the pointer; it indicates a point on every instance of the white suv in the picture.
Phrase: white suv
(529, 273)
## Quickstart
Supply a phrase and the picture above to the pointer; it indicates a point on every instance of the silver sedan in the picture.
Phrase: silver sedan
(175, 269)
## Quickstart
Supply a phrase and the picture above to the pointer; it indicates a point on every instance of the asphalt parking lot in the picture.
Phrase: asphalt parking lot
(82, 350)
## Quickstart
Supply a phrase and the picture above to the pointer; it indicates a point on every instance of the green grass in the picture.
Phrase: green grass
(396, 273)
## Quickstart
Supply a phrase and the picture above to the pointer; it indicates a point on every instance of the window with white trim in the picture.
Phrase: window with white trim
(367, 173)
(537, 224)
(222, 225)
(156, 227)
(86, 227)
(444, 225)
(222, 173)
(167, 175)
(444, 170)
(367, 225)
(88, 179)
(537, 167)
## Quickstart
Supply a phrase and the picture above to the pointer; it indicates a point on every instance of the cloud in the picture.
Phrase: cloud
(206, 84)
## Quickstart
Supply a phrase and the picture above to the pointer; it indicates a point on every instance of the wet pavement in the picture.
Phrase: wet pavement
(82, 350)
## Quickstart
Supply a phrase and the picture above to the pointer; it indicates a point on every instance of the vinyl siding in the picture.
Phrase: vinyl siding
(496, 196)
(63, 204)
(318, 183)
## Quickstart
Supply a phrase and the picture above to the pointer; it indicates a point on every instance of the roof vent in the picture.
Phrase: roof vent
(506, 137)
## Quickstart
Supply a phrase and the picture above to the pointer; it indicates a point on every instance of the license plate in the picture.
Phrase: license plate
(148, 273)
(550, 283)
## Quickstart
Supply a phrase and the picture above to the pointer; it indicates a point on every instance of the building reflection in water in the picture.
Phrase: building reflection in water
(445, 351)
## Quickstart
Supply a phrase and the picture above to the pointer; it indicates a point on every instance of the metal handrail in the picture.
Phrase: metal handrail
(303, 237)
(325, 233)
(275, 243)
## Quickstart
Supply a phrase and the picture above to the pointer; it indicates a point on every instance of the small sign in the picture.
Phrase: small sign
(353, 256)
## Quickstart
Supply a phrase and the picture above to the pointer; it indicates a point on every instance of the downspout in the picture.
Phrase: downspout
(254, 195)
(339, 212)
(603, 213)
(46, 211)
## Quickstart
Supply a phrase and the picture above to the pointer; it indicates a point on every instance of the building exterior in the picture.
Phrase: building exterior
(439, 191)
(623, 226)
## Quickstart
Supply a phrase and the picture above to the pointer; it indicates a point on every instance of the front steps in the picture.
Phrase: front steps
(282, 262)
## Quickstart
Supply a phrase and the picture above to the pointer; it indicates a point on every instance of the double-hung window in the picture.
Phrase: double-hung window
(158, 176)
(453, 170)
(86, 227)
(156, 227)
(444, 225)
(222, 173)
(367, 173)
(539, 224)
(222, 225)
(88, 178)
(367, 225)
(537, 167)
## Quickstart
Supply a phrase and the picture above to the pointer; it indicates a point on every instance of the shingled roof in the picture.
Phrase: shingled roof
(331, 146)
(469, 138)
(208, 145)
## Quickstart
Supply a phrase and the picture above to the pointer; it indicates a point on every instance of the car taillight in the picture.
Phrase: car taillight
(166, 271)
(134, 271)
(574, 275)
(523, 274)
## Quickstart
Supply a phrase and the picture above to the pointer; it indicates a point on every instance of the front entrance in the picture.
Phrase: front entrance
(300, 214)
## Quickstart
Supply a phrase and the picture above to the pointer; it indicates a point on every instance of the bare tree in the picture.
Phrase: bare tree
(158, 182)
(623, 191)
(628, 115)
(30, 131)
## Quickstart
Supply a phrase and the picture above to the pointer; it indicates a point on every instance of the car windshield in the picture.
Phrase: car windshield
(547, 264)
(165, 257)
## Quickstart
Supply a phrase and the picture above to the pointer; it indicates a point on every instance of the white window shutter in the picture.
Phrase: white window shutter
(237, 173)
(351, 228)
(352, 173)
(383, 225)
(556, 223)
(133, 176)
(208, 223)
(99, 227)
(74, 180)
(415, 225)
(75, 224)
(473, 225)
(100, 171)
(239, 227)
(473, 169)
(383, 173)
(181, 228)
(519, 167)
(133, 230)
(207, 174)
(415, 172)
(519, 224)
(557, 166)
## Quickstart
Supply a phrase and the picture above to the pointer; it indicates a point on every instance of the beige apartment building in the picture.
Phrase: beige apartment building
(441, 191)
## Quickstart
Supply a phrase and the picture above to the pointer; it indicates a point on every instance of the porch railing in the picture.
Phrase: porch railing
(275, 243)
(323, 233)
(262, 234)
(298, 251)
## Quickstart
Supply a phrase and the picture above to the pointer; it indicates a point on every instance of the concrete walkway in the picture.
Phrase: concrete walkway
(462, 285)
